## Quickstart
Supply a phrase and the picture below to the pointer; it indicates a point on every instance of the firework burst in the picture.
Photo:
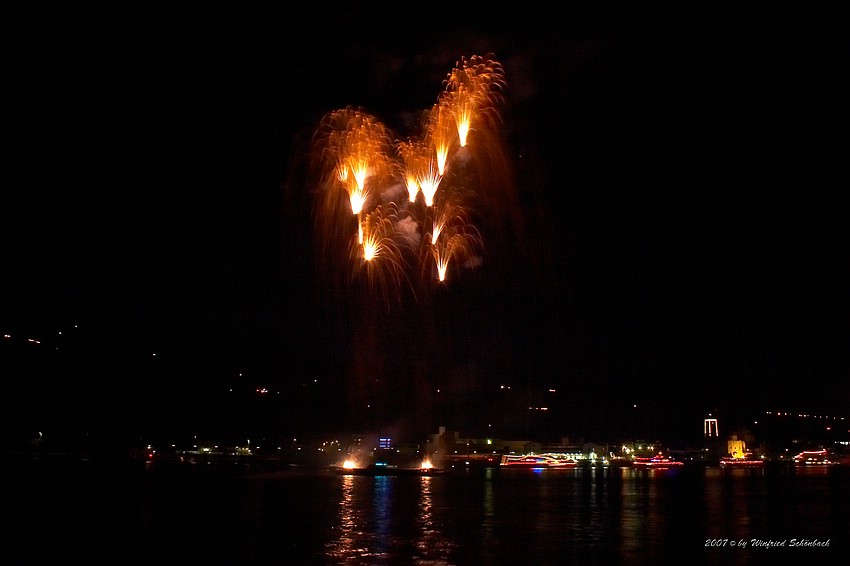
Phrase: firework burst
(369, 176)
(473, 91)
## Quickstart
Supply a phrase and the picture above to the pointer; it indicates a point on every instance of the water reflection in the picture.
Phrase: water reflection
(346, 545)
(432, 545)
(387, 519)
(488, 525)
(381, 524)
(617, 515)
(639, 511)
(492, 516)
(425, 519)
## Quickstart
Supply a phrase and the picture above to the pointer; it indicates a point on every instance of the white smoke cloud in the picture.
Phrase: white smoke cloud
(408, 230)
(394, 193)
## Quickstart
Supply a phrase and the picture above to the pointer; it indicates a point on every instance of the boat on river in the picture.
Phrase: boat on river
(536, 461)
(816, 458)
(745, 462)
(657, 462)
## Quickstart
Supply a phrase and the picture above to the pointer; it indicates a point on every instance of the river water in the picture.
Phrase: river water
(133, 513)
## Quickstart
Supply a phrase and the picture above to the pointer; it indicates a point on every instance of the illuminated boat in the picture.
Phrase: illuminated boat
(657, 462)
(746, 462)
(536, 461)
(815, 458)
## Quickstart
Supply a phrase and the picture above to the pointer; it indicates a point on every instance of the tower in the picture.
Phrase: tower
(711, 437)
(709, 428)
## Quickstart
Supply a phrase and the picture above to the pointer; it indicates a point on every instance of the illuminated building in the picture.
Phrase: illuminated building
(710, 428)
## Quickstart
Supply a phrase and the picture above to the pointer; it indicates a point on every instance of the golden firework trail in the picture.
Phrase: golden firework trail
(379, 178)
(429, 182)
(473, 87)
(444, 214)
(441, 134)
(380, 249)
(451, 245)
(376, 239)
(463, 106)
(413, 154)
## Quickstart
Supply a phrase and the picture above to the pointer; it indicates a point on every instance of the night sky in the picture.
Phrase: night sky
(676, 237)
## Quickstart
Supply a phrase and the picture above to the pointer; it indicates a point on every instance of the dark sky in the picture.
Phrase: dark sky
(678, 236)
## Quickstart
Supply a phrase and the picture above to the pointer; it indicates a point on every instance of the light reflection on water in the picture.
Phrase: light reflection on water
(485, 516)
(375, 526)
(431, 545)
(615, 515)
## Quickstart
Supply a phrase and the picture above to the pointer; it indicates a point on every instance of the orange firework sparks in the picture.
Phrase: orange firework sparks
(376, 238)
(441, 134)
(429, 182)
(380, 247)
(474, 85)
(445, 213)
(414, 156)
(445, 249)
(355, 147)
(463, 104)
(381, 179)
(363, 155)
